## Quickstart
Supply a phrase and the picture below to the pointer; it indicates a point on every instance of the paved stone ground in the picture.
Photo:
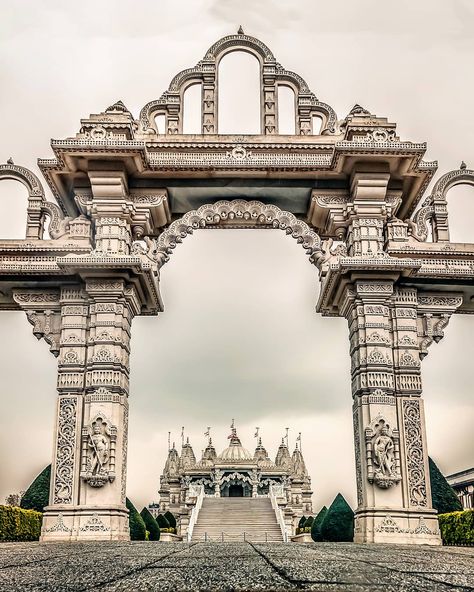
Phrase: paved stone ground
(147, 566)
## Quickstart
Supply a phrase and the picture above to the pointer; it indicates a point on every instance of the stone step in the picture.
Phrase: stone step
(237, 519)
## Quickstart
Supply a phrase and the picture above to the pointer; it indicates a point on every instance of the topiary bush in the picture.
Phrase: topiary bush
(302, 521)
(162, 522)
(338, 524)
(137, 525)
(317, 523)
(171, 519)
(443, 496)
(309, 523)
(17, 524)
(37, 495)
(457, 528)
(151, 525)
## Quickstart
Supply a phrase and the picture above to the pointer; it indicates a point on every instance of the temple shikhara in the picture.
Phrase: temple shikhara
(125, 190)
(236, 472)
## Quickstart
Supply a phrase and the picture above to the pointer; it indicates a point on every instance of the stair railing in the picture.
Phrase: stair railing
(195, 510)
(274, 491)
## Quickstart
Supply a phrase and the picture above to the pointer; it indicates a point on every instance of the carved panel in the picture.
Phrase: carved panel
(414, 452)
(65, 451)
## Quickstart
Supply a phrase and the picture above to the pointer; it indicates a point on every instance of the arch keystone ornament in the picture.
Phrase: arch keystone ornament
(125, 196)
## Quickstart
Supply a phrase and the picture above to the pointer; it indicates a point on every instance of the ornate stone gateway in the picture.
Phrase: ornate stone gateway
(127, 195)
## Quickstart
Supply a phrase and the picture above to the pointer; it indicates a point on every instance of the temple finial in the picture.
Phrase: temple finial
(463, 165)
(240, 31)
(10, 161)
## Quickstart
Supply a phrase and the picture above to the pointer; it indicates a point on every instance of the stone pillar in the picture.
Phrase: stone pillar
(89, 468)
(393, 492)
(209, 103)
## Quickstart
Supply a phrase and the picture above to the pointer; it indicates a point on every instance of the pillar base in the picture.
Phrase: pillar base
(77, 523)
(405, 527)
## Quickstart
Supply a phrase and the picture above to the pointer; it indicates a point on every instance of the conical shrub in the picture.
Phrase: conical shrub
(37, 495)
(137, 525)
(302, 521)
(338, 524)
(317, 523)
(151, 525)
(162, 522)
(309, 522)
(171, 519)
(443, 496)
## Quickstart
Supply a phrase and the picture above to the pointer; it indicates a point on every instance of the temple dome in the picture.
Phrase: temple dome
(235, 451)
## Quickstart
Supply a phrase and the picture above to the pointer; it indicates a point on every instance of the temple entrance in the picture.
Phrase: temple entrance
(350, 195)
(236, 491)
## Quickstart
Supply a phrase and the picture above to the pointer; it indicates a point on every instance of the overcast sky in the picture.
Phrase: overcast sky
(239, 337)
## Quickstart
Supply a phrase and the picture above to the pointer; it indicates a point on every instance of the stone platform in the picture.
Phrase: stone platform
(147, 566)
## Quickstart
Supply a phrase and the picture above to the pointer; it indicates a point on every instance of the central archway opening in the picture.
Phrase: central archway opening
(240, 338)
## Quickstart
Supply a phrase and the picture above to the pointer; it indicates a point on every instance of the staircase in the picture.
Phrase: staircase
(234, 519)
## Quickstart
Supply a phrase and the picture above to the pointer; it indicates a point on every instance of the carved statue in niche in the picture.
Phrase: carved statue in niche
(98, 452)
(383, 454)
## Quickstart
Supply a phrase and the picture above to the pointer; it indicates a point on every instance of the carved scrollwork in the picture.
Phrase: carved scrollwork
(382, 444)
(65, 451)
(414, 453)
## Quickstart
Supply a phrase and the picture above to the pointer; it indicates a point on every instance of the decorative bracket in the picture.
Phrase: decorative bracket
(43, 311)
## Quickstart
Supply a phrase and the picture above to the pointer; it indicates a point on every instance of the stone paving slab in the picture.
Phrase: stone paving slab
(227, 567)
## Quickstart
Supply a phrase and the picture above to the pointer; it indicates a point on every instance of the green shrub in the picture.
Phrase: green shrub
(37, 495)
(317, 523)
(309, 522)
(301, 522)
(162, 522)
(338, 523)
(137, 526)
(151, 525)
(457, 528)
(443, 496)
(171, 519)
(17, 524)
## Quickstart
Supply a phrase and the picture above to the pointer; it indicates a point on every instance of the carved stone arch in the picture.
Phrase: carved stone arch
(237, 214)
(206, 72)
(434, 209)
(34, 215)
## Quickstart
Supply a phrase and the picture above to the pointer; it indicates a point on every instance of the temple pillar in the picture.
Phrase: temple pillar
(393, 489)
(87, 499)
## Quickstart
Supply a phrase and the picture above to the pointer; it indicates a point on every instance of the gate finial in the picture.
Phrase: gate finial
(240, 31)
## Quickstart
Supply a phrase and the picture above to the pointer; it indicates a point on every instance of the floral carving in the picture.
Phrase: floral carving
(414, 453)
(65, 451)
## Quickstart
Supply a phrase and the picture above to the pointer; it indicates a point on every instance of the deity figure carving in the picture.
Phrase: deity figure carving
(382, 447)
(98, 452)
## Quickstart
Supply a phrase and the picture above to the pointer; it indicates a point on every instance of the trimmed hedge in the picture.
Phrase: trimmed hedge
(457, 528)
(443, 496)
(162, 522)
(17, 524)
(171, 519)
(151, 525)
(317, 523)
(338, 524)
(137, 526)
(37, 495)
(302, 521)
